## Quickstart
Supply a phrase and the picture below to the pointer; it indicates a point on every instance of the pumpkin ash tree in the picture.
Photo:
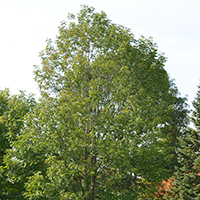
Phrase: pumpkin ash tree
(98, 128)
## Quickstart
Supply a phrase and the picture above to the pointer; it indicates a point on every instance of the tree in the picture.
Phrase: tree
(97, 132)
(4, 95)
(186, 180)
(12, 111)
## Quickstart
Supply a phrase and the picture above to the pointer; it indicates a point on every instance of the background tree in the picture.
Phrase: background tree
(98, 132)
(12, 111)
(175, 121)
(4, 97)
(186, 180)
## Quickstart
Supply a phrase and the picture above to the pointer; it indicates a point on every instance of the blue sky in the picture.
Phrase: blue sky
(26, 24)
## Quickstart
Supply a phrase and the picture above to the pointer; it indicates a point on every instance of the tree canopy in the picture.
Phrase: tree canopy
(106, 125)
(13, 109)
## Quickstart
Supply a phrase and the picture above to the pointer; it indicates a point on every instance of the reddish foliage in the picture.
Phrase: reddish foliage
(164, 187)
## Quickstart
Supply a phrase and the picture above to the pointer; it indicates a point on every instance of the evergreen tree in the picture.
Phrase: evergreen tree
(186, 180)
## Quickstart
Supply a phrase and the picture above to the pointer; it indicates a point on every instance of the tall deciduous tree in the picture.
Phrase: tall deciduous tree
(186, 181)
(98, 131)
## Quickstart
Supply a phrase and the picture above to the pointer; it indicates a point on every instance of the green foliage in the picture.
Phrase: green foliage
(100, 129)
(186, 181)
(12, 112)
(4, 97)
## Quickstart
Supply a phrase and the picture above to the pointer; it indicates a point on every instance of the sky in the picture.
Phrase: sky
(173, 24)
